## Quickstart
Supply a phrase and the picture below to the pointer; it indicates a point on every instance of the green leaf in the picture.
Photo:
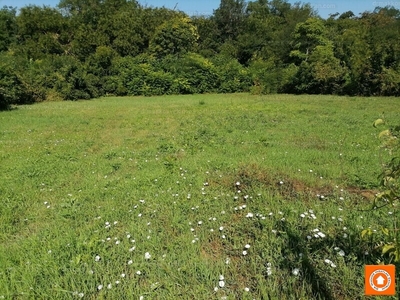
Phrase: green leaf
(366, 232)
(388, 248)
(378, 122)
(385, 231)
(384, 133)
(397, 255)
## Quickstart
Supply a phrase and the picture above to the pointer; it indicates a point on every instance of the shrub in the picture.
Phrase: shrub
(138, 76)
(265, 77)
(233, 77)
(390, 186)
(10, 88)
(389, 82)
(195, 74)
(73, 82)
(13, 88)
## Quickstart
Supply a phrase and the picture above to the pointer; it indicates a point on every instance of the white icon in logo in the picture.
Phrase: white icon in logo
(380, 280)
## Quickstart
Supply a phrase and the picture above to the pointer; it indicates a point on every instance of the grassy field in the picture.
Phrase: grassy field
(191, 197)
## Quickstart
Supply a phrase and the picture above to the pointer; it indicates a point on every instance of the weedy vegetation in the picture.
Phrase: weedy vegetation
(230, 196)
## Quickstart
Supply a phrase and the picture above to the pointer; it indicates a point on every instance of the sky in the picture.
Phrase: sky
(206, 7)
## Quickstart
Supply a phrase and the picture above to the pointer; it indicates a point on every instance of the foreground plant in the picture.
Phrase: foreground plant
(390, 186)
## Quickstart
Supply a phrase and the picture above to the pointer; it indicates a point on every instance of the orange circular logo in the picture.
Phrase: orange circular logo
(380, 280)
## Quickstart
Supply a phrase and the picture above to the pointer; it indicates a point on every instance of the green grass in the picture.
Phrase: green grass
(73, 175)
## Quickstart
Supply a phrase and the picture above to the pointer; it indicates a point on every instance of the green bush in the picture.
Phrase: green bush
(144, 75)
(233, 77)
(14, 89)
(138, 76)
(111, 86)
(265, 77)
(10, 88)
(181, 86)
(74, 82)
(390, 82)
(157, 83)
(195, 73)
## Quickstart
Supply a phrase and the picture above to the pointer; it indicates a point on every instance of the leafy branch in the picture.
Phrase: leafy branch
(390, 186)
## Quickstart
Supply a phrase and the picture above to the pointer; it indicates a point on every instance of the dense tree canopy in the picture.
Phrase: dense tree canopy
(89, 48)
(175, 36)
(8, 27)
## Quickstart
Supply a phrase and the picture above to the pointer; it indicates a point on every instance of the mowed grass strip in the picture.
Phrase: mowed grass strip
(191, 197)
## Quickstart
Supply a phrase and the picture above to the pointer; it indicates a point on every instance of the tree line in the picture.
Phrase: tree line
(89, 48)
